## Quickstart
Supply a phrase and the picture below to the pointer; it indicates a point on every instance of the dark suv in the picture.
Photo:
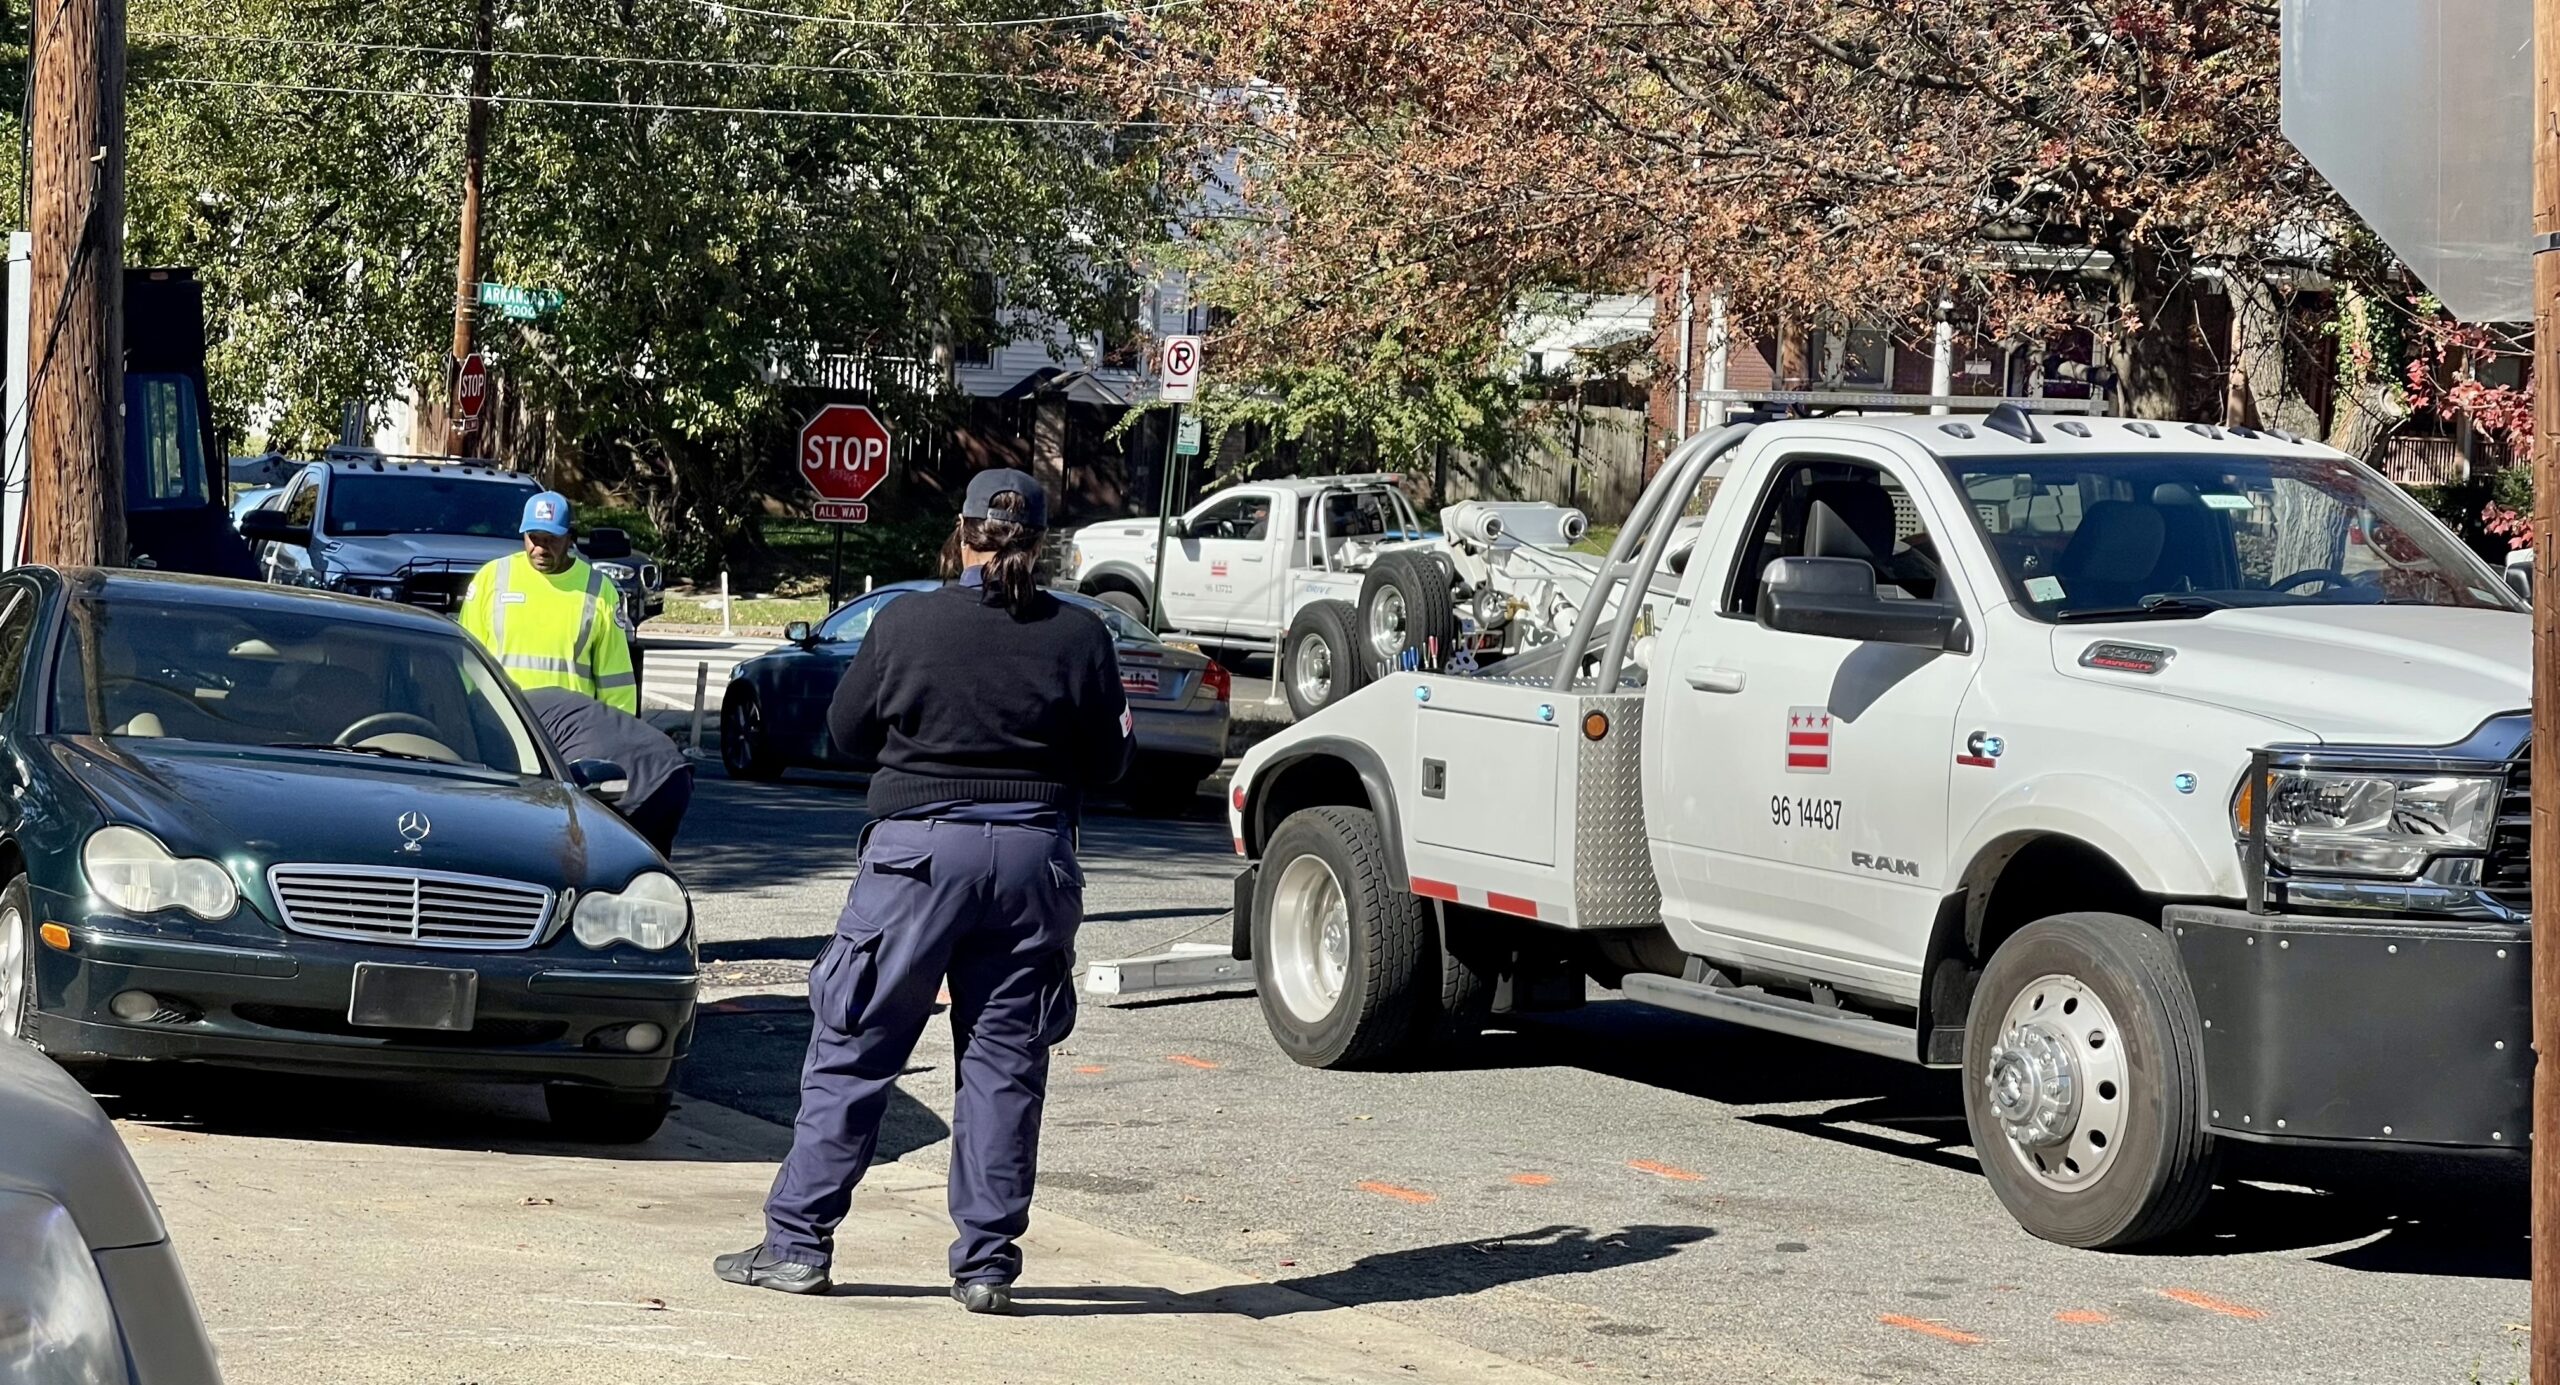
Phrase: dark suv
(414, 531)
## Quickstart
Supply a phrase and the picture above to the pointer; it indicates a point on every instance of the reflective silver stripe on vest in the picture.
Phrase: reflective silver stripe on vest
(498, 604)
(541, 663)
(612, 681)
(587, 624)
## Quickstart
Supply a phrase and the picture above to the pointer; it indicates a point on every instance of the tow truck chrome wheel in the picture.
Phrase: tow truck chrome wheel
(1341, 949)
(1310, 938)
(2056, 1081)
(1311, 670)
(2084, 1081)
(1385, 625)
(14, 971)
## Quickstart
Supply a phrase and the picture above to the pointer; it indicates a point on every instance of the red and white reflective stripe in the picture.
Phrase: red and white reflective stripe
(1483, 899)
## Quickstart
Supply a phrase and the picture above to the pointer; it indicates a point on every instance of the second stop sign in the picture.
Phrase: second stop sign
(844, 452)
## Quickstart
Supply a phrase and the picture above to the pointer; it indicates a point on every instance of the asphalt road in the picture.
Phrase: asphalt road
(1617, 1193)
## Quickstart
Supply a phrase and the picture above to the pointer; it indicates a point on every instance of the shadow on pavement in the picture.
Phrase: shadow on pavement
(1452, 1270)
(746, 1056)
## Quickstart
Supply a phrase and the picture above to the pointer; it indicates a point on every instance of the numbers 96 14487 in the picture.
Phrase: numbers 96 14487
(1822, 813)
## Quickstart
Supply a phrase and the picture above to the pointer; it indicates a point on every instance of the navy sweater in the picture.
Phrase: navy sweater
(957, 700)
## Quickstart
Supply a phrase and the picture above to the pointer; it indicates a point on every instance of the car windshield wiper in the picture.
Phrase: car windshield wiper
(2152, 608)
(382, 751)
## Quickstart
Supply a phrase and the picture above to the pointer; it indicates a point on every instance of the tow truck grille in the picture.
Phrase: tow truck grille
(414, 908)
(2509, 878)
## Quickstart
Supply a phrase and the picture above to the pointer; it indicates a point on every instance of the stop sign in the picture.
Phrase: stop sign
(844, 452)
(470, 392)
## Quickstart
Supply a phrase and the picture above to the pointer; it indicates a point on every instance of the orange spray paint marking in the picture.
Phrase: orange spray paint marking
(1662, 1170)
(2082, 1317)
(2210, 1304)
(1926, 1328)
(1089, 1069)
(1531, 1180)
(1188, 1061)
(1411, 1195)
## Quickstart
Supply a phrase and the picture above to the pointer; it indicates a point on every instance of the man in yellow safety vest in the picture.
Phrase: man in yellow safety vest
(549, 617)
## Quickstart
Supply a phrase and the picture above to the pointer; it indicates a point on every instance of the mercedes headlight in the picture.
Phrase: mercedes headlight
(130, 869)
(56, 1326)
(2343, 822)
(650, 912)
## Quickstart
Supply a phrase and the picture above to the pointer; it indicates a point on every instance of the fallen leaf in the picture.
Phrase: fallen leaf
(535, 1202)
(654, 1305)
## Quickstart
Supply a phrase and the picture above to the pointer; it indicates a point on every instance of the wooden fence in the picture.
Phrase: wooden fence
(1599, 467)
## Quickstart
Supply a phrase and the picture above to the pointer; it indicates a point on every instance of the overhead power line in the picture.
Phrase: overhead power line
(800, 112)
(427, 50)
(855, 23)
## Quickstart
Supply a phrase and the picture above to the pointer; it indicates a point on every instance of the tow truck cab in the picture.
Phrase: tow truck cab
(2166, 779)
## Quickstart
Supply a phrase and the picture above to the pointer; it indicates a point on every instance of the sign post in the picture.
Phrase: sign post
(1180, 383)
(470, 394)
(844, 456)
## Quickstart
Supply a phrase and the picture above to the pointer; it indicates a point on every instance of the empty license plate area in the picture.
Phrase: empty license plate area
(388, 996)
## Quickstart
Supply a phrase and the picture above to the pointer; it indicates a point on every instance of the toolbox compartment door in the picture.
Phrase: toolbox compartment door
(1487, 784)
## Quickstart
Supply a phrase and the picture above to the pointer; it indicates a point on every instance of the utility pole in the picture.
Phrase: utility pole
(75, 345)
(2545, 753)
(466, 274)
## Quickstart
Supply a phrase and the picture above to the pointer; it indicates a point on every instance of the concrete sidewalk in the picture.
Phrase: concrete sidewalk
(341, 1259)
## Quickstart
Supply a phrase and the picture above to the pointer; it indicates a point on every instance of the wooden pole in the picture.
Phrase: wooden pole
(466, 274)
(2545, 1339)
(75, 310)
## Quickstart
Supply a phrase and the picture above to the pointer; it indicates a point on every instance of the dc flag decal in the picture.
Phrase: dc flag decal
(1808, 740)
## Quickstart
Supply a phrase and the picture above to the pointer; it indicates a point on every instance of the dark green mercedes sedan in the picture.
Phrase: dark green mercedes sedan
(263, 827)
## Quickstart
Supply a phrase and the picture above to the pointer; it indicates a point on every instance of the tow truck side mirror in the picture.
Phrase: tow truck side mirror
(2520, 581)
(270, 526)
(1836, 598)
(1175, 528)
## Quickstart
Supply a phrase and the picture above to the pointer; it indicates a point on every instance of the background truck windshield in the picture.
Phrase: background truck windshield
(2086, 538)
(243, 676)
(410, 502)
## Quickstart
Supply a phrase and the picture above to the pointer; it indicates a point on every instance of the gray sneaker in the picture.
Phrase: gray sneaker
(984, 1297)
(752, 1268)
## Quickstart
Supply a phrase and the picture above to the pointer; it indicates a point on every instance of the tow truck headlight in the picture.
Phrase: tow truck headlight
(131, 870)
(56, 1326)
(649, 913)
(2332, 822)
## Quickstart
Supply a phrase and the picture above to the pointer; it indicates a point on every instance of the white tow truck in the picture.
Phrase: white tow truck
(2168, 780)
(1336, 576)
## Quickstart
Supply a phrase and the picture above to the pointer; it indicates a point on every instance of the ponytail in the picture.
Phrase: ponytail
(1012, 573)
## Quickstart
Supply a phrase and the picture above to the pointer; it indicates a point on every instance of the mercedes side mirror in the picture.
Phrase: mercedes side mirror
(606, 544)
(603, 778)
(1836, 598)
(270, 526)
(800, 633)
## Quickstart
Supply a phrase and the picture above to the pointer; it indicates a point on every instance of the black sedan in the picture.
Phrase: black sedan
(774, 713)
(269, 828)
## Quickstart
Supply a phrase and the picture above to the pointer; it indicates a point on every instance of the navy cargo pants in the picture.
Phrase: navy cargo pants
(995, 907)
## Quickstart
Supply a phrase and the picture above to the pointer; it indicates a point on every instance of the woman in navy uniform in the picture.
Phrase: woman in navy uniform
(990, 708)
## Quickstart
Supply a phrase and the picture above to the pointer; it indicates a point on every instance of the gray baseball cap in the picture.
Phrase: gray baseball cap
(1031, 511)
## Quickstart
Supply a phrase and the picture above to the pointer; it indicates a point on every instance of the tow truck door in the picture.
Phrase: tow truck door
(1805, 796)
(1220, 577)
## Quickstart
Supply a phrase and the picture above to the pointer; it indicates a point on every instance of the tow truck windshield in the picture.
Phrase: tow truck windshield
(411, 502)
(246, 676)
(2149, 537)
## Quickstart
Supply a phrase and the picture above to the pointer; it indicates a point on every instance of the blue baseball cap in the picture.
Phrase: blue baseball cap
(547, 513)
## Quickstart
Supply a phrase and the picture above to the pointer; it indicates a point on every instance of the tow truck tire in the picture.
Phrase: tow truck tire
(1339, 946)
(1470, 962)
(1320, 658)
(1132, 607)
(1409, 591)
(2084, 1082)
